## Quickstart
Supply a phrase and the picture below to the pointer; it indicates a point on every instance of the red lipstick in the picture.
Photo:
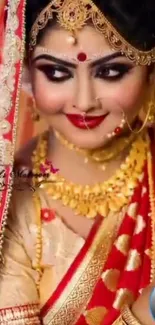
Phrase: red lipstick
(85, 122)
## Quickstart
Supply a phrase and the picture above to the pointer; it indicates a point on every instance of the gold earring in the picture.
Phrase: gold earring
(144, 123)
(149, 109)
(34, 114)
(151, 118)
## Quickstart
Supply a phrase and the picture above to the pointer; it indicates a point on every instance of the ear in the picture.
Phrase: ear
(152, 75)
(26, 81)
(150, 102)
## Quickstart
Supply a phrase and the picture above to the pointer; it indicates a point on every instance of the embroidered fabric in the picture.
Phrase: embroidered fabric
(23, 315)
(11, 58)
(60, 247)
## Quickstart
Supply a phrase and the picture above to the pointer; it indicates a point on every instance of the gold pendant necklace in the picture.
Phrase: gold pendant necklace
(101, 198)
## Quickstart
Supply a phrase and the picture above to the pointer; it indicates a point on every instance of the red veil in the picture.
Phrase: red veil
(11, 57)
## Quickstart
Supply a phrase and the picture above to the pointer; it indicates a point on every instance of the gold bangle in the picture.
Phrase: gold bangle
(119, 321)
(128, 317)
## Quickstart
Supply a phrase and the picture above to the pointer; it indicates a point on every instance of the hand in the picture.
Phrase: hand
(141, 308)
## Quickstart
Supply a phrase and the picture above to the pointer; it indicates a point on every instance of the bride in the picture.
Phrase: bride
(80, 249)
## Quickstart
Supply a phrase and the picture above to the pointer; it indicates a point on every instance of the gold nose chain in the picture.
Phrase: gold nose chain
(100, 198)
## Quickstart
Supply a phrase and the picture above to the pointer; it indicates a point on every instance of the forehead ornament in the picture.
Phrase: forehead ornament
(73, 15)
(71, 40)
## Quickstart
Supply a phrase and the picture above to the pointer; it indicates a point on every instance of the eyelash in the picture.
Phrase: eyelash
(50, 70)
(120, 69)
(101, 73)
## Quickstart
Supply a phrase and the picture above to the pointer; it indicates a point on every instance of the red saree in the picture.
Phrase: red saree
(114, 265)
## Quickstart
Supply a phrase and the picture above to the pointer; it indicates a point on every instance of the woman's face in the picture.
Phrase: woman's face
(67, 91)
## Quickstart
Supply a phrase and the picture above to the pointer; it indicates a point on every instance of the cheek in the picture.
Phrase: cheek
(130, 94)
(127, 94)
(50, 97)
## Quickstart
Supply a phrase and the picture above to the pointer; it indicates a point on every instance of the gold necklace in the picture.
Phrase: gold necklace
(101, 155)
(100, 198)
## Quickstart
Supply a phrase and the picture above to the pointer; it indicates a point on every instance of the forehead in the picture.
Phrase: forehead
(88, 40)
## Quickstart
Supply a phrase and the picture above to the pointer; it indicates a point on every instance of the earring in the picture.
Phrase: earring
(35, 116)
(151, 118)
(118, 130)
(31, 104)
(148, 115)
(149, 110)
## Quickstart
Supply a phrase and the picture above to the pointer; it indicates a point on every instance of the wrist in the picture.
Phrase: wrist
(128, 317)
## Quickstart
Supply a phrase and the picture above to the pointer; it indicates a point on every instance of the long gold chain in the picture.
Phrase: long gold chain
(100, 198)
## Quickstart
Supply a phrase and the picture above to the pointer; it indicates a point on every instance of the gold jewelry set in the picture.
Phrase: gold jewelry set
(111, 195)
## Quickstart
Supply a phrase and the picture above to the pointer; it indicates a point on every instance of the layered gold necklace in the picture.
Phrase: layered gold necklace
(101, 198)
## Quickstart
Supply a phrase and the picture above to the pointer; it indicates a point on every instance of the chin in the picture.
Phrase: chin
(83, 140)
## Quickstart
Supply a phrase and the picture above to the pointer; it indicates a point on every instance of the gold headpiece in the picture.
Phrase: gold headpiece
(74, 14)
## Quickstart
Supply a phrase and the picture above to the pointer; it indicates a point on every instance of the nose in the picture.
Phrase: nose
(84, 98)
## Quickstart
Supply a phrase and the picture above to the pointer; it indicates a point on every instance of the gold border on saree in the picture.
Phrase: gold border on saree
(77, 293)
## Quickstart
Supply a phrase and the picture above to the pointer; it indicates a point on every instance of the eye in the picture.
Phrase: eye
(55, 73)
(108, 72)
(113, 71)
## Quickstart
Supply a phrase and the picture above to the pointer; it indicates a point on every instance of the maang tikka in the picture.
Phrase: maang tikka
(73, 15)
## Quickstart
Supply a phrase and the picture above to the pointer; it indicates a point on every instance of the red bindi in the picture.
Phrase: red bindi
(82, 57)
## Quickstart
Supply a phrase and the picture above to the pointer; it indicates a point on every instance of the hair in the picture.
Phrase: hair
(133, 19)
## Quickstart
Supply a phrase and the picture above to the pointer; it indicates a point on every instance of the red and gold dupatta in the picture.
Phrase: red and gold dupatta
(11, 58)
(112, 268)
(12, 41)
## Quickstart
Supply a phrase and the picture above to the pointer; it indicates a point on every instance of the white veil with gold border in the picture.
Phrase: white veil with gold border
(12, 39)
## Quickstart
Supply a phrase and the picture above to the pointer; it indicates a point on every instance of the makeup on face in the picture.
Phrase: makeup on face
(85, 122)
(79, 57)
(57, 69)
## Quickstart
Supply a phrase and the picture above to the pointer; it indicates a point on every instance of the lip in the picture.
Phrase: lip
(86, 122)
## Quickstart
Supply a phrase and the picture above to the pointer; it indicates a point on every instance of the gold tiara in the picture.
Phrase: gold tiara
(73, 15)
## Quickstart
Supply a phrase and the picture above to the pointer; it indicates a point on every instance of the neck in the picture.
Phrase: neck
(71, 164)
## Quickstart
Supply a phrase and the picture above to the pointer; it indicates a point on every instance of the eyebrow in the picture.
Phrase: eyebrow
(73, 65)
(106, 59)
(54, 59)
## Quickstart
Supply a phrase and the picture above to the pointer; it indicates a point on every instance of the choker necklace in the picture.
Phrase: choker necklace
(100, 156)
(101, 198)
